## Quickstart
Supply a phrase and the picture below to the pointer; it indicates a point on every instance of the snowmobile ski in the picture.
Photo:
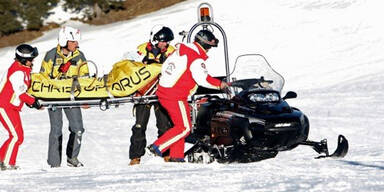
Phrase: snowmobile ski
(322, 147)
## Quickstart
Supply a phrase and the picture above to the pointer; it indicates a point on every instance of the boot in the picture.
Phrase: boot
(2, 167)
(10, 167)
(166, 158)
(154, 150)
(74, 162)
(176, 160)
(134, 161)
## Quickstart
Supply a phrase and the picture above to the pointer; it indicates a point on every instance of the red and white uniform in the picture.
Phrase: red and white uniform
(180, 75)
(13, 87)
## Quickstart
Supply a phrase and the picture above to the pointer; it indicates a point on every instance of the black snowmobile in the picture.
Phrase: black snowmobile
(252, 123)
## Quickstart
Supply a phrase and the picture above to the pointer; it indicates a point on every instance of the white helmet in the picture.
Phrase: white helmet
(68, 34)
(155, 29)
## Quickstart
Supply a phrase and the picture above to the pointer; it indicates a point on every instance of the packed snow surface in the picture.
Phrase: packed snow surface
(329, 51)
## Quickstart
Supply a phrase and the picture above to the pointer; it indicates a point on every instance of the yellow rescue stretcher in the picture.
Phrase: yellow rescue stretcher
(119, 86)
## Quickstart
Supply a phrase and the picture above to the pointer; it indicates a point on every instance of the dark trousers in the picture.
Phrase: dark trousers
(138, 138)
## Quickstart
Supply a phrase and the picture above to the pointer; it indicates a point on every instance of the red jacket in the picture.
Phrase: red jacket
(13, 87)
(183, 71)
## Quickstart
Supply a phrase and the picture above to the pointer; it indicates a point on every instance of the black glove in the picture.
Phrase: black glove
(35, 104)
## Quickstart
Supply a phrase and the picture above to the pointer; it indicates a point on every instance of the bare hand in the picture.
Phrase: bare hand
(85, 106)
(224, 85)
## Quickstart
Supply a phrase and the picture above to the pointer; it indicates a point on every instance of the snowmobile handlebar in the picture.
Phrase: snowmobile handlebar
(248, 83)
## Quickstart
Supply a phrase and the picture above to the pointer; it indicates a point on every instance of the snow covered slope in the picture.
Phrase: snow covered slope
(330, 53)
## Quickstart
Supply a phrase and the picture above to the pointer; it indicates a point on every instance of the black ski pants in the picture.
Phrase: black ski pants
(138, 138)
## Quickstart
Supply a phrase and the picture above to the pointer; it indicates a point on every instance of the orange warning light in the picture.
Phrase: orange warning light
(204, 14)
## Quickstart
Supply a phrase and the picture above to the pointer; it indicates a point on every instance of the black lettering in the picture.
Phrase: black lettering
(77, 92)
(53, 88)
(89, 88)
(143, 72)
(98, 87)
(116, 86)
(35, 89)
(127, 84)
(67, 89)
(45, 86)
(139, 79)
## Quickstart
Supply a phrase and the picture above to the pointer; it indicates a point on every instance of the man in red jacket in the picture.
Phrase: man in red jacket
(13, 87)
(181, 73)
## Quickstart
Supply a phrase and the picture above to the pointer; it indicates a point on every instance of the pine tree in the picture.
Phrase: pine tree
(33, 12)
(97, 7)
(8, 18)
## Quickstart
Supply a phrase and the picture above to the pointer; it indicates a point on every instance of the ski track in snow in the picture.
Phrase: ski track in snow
(330, 53)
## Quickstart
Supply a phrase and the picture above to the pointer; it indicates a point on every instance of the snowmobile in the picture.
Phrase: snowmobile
(251, 121)
(254, 123)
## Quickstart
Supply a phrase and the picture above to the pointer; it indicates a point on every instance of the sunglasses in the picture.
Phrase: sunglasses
(30, 59)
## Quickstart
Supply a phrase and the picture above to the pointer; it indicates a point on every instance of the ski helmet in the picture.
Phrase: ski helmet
(68, 34)
(25, 52)
(162, 33)
(206, 39)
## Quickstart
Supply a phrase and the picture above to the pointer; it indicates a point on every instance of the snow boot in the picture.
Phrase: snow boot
(166, 158)
(134, 161)
(176, 160)
(10, 167)
(74, 162)
(154, 150)
(2, 167)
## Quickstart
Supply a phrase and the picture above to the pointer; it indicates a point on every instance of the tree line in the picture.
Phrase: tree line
(19, 15)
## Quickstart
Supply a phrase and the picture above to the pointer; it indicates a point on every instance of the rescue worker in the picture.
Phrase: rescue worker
(13, 87)
(155, 51)
(63, 62)
(181, 73)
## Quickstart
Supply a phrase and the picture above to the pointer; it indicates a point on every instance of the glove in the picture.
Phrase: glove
(35, 105)
(64, 67)
(265, 85)
(225, 87)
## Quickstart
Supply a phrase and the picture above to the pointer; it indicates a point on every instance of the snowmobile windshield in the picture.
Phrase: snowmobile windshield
(255, 66)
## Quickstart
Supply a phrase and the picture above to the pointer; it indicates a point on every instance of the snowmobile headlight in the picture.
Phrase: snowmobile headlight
(264, 97)
(283, 124)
